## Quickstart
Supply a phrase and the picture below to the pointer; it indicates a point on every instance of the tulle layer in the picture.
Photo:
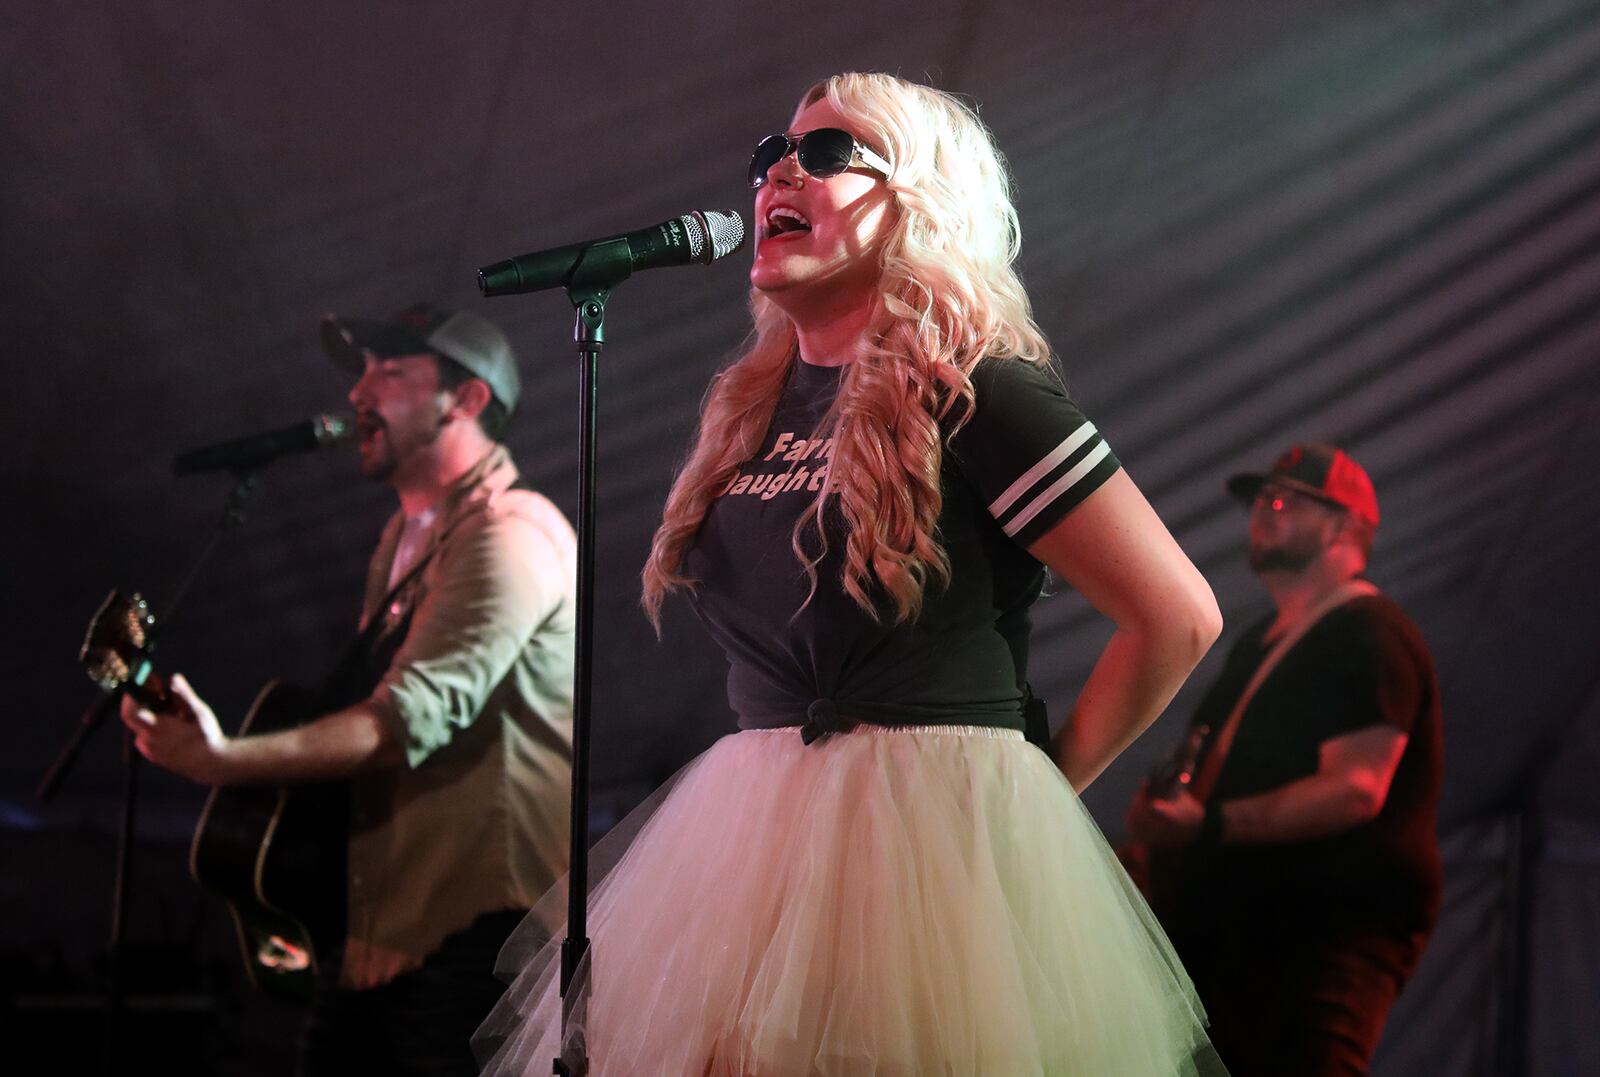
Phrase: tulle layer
(886, 903)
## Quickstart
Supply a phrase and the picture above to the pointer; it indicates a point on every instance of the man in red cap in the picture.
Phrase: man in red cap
(451, 717)
(1295, 865)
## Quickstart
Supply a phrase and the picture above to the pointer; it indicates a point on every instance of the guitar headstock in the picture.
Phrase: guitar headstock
(116, 647)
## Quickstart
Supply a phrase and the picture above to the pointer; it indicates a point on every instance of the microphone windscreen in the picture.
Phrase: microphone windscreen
(332, 429)
(726, 229)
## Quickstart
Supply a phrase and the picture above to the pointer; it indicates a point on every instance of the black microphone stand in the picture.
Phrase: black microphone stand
(94, 716)
(596, 268)
(589, 334)
(599, 268)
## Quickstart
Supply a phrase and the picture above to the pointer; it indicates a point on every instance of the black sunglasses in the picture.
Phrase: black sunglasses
(822, 153)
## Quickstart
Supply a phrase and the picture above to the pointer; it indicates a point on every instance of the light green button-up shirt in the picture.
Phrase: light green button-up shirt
(480, 696)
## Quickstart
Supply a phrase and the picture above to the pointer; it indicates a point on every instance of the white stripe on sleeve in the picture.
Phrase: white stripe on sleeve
(1057, 488)
(1042, 468)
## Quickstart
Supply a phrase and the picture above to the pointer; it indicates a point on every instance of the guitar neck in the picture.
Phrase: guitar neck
(149, 688)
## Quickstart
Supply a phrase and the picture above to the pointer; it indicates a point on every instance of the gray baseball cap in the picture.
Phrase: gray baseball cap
(425, 328)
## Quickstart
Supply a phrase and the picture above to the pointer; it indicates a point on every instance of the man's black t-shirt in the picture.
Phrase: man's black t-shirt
(1024, 460)
(1362, 664)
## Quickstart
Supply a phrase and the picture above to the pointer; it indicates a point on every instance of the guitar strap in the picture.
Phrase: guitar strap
(1211, 767)
(364, 661)
(369, 655)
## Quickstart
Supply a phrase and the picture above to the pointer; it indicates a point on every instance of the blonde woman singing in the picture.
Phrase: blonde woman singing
(878, 875)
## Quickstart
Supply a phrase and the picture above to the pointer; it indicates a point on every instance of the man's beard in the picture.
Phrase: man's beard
(384, 466)
(380, 467)
(379, 470)
(1293, 556)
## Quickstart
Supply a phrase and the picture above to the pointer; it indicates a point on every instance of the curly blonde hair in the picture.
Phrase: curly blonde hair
(948, 297)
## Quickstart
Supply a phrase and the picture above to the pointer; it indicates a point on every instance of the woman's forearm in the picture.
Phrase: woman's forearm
(1116, 552)
(1134, 679)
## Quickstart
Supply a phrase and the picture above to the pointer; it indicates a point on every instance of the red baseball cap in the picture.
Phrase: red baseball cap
(1324, 472)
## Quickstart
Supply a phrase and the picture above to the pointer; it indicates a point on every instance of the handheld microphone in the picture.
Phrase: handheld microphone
(242, 454)
(695, 237)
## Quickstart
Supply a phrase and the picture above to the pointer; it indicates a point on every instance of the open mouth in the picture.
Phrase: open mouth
(783, 221)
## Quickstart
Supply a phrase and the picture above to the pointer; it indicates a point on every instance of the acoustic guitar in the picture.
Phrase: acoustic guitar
(275, 854)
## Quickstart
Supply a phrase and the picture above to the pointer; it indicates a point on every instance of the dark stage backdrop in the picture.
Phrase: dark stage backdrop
(1246, 222)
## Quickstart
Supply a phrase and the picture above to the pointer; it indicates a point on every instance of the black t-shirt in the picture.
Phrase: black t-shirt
(1024, 460)
(1363, 664)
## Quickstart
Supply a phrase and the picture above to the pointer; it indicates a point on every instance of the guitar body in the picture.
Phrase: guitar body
(276, 854)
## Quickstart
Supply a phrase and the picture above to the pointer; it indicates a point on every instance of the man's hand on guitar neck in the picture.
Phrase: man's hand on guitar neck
(185, 740)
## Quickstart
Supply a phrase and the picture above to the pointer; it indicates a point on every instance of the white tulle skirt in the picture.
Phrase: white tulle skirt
(898, 903)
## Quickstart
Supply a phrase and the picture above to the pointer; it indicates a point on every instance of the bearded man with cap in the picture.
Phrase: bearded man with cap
(453, 720)
(1299, 864)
